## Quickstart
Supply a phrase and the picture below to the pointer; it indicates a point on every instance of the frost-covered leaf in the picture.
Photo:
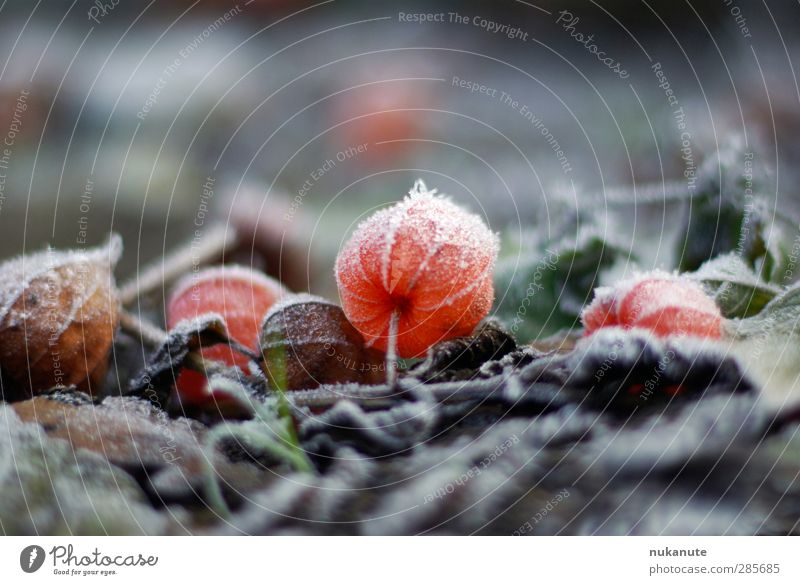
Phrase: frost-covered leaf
(543, 286)
(731, 212)
(781, 316)
(736, 288)
(59, 312)
(155, 381)
(129, 432)
(49, 487)
(626, 371)
(786, 305)
(462, 358)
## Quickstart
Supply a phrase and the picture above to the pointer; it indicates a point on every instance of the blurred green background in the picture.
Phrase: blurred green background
(156, 119)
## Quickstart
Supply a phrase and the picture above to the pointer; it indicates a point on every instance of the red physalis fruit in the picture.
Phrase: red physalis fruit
(59, 312)
(666, 304)
(422, 267)
(377, 120)
(242, 297)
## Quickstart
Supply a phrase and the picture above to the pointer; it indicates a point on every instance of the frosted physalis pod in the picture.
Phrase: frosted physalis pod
(59, 312)
(417, 273)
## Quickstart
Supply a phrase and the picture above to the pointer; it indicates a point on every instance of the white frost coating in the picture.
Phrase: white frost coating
(232, 271)
(304, 319)
(423, 266)
(395, 220)
(611, 296)
(291, 300)
(18, 273)
(418, 190)
(43, 316)
(730, 270)
(460, 293)
(628, 343)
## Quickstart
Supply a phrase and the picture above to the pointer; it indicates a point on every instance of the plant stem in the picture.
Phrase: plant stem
(177, 263)
(391, 350)
(213, 489)
(146, 332)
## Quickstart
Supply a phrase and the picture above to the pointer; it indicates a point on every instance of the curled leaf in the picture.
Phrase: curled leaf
(736, 288)
(622, 372)
(156, 380)
(462, 357)
(731, 212)
(59, 311)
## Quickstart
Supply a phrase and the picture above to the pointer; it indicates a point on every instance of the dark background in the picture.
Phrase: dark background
(270, 95)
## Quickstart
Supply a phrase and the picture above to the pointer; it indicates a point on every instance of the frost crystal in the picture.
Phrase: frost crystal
(659, 301)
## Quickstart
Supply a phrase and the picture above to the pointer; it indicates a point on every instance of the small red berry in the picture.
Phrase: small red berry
(425, 263)
(601, 313)
(380, 118)
(241, 296)
(663, 303)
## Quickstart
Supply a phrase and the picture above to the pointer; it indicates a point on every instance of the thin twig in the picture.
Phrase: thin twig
(178, 263)
(145, 332)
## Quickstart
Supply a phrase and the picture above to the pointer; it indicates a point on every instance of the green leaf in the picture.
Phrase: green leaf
(731, 212)
(736, 288)
(780, 318)
(542, 287)
(787, 304)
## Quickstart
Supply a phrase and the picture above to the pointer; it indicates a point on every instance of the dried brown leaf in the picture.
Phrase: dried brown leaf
(307, 341)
